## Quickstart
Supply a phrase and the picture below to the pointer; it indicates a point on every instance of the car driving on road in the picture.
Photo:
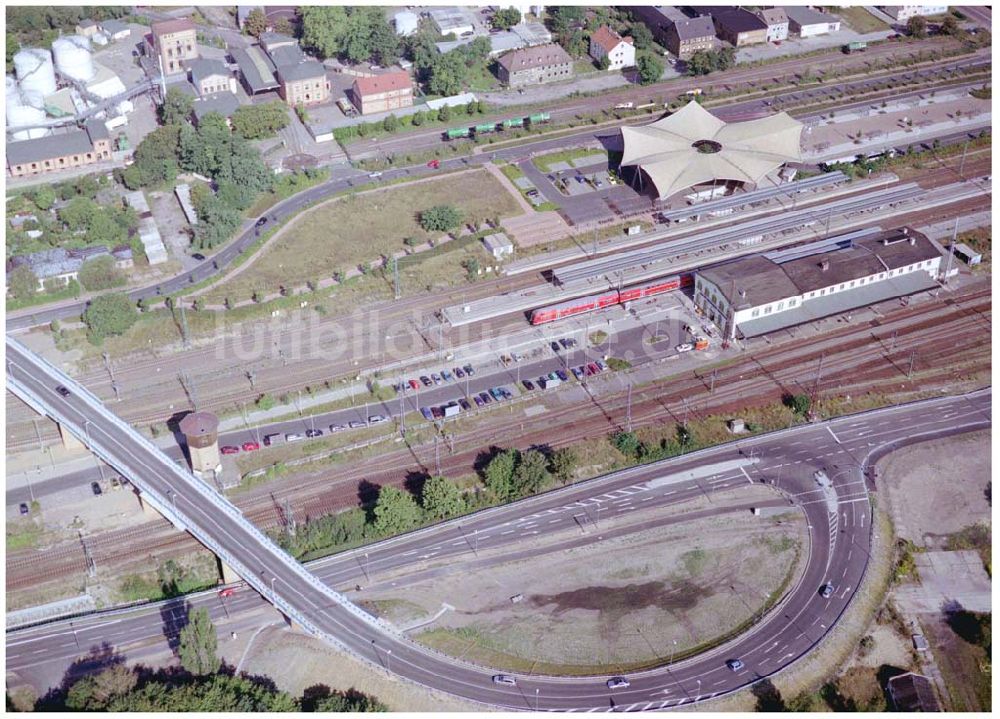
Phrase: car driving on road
(505, 679)
(735, 664)
(618, 683)
(826, 591)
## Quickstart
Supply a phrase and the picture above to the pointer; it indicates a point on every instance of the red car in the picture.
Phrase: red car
(251, 446)
(229, 449)
(434, 164)
(414, 384)
(227, 592)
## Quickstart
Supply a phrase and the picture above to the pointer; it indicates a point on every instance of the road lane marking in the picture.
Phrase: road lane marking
(746, 475)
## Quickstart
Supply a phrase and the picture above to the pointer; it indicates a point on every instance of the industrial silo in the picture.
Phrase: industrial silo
(73, 59)
(35, 74)
(19, 115)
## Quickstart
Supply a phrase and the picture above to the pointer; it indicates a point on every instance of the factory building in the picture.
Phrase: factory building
(173, 42)
(58, 152)
(761, 293)
(535, 65)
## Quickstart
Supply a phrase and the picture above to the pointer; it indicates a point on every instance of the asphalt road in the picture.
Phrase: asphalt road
(839, 519)
(345, 179)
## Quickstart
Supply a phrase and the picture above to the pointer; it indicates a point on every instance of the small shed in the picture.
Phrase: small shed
(736, 426)
(965, 253)
(498, 245)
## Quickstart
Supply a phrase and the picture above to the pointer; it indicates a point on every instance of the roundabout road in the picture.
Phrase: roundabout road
(839, 518)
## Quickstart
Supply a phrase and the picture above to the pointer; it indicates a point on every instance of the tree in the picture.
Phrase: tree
(950, 26)
(22, 282)
(531, 473)
(798, 403)
(176, 108)
(156, 156)
(417, 119)
(44, 197)
(109, 315)
(323, 28)
(440, 218)
(563, 463)
(916, 26)
(650, 69)
(627, 443)
(506, 18)
(642, 37)
(441, 498)
(104, 229)
(444, 113)
(100, 273)
(700, 63)
(256, 122)
(78, 214)
(604, 63)
(198, 644)
(256, 23)
(499, 474)
(390, 123)
(395, 511)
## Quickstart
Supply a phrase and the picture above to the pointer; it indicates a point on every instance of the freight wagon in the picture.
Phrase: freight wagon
(591, 303)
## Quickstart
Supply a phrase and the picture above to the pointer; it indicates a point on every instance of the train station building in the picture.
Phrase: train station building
(692, 148)
(762, 293)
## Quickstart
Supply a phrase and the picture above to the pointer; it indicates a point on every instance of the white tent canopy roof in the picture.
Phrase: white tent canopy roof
(667, 151)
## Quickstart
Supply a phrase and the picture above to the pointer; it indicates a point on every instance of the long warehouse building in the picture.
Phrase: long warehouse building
(763, 293)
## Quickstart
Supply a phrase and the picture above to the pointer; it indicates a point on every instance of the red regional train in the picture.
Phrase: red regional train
(606, 299)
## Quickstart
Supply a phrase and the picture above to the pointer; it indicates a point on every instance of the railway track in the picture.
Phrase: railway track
(856, 358)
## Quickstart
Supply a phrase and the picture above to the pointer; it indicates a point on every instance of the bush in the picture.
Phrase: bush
(440, 218)
(101, 273)
(265, 402)
(109, 315)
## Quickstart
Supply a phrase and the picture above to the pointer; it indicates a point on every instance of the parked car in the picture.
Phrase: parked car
(377, 419)
(468, 370)
(251, 446)
(434, 164)
(486, 397)
(478, 400)
(293, 437)
(601, 365)
(414, 384)
(22, 508)
(355, 424)
(446, 375)
(426, 380)
(337, 428)
(562, 375)
(459, 372)
(565, 343)
(686, 347)
(497, 394)
(618, 683)
(426, 413)
(96, 489)
(528, 385)
(578, 372)
(554, 346)
(229, 449)
(437, 412)
(594, 369)
(464, 404)
(436, 378)
(312, 433)
(579, 179)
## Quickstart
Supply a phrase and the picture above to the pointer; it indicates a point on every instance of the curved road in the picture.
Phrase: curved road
(839, 518)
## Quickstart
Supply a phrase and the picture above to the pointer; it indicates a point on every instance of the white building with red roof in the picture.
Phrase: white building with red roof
(605, 42)
(382, 93)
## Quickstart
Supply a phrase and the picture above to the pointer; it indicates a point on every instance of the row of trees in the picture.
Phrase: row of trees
(507, 475)
(204, 685)
(356, 34)
(392, 123)
(704, 62)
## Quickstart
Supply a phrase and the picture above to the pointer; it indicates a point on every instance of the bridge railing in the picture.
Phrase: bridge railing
(189, 481)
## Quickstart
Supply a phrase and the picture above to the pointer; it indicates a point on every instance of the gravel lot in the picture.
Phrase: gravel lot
(625, 601)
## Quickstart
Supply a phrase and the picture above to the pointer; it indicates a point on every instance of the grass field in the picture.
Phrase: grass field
(544, 162)
(340, 235)
(860, 19)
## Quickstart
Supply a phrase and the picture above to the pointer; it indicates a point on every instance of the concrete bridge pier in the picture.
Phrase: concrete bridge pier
(69, 439)
(229, 576)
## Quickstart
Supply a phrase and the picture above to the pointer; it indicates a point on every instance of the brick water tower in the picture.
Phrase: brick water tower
(201, 430)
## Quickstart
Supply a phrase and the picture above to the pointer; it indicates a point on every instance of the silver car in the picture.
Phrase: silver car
(618, 683)
(505, 679)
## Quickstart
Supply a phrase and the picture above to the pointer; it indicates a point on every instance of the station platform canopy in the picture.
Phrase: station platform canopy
(693, 147)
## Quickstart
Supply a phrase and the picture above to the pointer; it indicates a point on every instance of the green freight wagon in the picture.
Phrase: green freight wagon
(539, 117)
(486, 128)
(856, 46)
(513, 122)
(457, 132)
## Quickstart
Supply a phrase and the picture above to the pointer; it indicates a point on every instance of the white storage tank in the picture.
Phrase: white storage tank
(12, 95)
(73, 58)
(36, 75)
(18, 115)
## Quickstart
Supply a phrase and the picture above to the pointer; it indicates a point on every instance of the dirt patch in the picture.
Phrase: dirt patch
(624, 602)
(295, 662)
(939, 487)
